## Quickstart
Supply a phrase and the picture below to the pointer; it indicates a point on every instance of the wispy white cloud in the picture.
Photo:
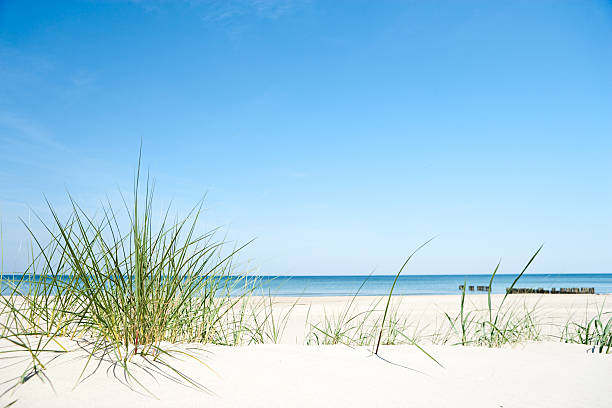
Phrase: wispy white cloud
(221, 10)
(17, 128)
(266, 9)
(298, 174)
(83, 78)
(19, 70)
(24, 73)
(229, 12)
(78, 85)
(10, 57)
(26, 145)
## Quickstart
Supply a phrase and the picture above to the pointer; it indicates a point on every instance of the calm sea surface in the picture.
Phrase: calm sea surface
(424, 284)
(406, 285)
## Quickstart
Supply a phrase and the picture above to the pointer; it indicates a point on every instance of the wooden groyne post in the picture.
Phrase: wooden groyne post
(563, 291)
(478, 288)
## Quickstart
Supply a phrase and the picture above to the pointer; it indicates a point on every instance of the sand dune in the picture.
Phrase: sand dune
(530, 375)
(533, 374)
(428, 312)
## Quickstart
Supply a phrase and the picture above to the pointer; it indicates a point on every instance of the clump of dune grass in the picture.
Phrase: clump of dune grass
(382, 325)
(127, 287)
(496, 326)
(595, 331)
(398, 328)
(353, 326)
(349, 327)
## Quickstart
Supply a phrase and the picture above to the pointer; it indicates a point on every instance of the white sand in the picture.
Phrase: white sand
(428, 312)
(547, 374)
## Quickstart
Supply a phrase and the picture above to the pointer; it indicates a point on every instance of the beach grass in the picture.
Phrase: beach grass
(595, 331)
(382, 324)
(498, 326)
(127, 291)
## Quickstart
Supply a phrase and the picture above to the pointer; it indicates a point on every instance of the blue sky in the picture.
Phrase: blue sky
(339, 134)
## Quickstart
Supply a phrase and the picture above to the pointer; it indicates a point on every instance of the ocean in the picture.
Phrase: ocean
(423, 284)
(377, 285)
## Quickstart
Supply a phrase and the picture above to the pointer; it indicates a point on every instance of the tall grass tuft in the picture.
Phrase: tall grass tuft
(594, 331)
(382, 325)
(499, 325)
(349, 327)
(127, 285)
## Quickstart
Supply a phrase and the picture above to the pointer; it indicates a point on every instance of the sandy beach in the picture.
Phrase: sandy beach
(535, 374)
(427, 313)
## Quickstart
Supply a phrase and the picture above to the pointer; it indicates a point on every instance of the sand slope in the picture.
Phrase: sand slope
(531, 375)
(545, 374)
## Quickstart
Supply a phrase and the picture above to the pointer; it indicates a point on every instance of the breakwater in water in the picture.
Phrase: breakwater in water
(586, 291)
(561, 291)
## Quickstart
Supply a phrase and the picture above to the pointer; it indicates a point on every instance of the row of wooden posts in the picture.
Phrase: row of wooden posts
(584, 291)
(479, 288)
(533, 290)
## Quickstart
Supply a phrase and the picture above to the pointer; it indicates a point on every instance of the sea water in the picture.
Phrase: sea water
(378, 285)
(423, 284)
